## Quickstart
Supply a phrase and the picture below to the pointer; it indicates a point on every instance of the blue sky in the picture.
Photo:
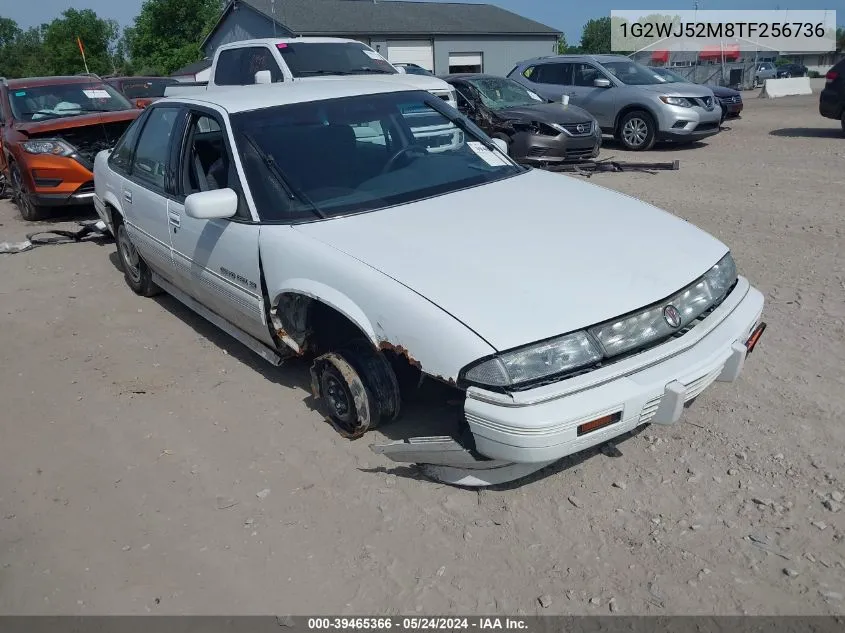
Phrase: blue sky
(567, 15)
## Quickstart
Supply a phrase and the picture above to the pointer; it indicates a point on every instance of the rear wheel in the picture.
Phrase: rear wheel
(637, 131)
(22, 198)
(137, 274)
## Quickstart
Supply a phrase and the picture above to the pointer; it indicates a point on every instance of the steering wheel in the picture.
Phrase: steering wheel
(419, 150)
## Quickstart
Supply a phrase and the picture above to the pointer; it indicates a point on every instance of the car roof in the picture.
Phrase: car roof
(35, 82)
(603, 57)
(236, 99)
(467, 76)
(137, 77)
(288, 40)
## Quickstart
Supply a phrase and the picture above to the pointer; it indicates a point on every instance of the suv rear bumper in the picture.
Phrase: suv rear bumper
(831, 104)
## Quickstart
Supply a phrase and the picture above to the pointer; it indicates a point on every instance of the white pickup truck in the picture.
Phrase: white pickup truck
(559, 314)
(275, 60)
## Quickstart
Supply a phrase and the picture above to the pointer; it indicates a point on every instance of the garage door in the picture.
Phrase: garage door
(466, 62)
(419, 52)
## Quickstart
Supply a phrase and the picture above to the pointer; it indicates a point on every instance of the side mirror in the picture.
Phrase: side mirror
(501, 144)
(263, 77)
(212, 205)
(601, 82)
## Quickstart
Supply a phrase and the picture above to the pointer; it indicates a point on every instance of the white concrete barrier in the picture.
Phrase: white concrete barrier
(774, 88)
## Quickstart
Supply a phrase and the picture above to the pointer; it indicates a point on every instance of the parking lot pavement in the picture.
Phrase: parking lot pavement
(149, 464)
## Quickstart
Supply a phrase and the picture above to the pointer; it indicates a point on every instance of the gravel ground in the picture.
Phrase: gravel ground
(149, 464)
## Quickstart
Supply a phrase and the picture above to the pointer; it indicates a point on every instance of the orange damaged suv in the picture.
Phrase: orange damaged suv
(51, 128)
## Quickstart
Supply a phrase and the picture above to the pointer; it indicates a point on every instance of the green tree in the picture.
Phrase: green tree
(596, 36)
(840, 38)
(21, 52)
(61, 50)
(167, 34)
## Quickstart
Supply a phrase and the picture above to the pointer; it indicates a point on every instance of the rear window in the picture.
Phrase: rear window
(333, 58)
(146, 88)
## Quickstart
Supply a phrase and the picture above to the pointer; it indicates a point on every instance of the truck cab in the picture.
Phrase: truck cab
(278, 60)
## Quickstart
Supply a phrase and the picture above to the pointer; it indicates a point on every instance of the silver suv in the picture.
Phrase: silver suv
(631, 102)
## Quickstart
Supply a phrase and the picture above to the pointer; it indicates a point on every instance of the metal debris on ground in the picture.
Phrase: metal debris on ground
(588, 168)
(88, 229)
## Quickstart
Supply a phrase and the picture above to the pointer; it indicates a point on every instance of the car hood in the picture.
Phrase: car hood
(33, 128)
(679, 89)
(546, 113)
(722, 92)
(528, 257)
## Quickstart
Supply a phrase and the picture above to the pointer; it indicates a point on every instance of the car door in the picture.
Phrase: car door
(600, 102)
(550, 80)
(216, 261)
(144, 188)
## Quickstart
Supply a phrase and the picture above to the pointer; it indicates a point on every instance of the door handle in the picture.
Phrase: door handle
(175, 219)
(127, 195)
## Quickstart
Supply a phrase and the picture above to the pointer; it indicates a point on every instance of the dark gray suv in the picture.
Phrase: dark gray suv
(630, 101)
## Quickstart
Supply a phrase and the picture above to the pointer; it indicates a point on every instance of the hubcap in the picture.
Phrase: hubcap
(635, 132)
(129, 255)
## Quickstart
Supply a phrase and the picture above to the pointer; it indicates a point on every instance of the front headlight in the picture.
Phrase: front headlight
(660, 321)
(580, 349)
(56, 147)
(551, 357)
(683, 102)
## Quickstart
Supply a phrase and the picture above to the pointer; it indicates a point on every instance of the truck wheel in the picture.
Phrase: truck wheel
(22, 198)
(637, 131)
(356, 387)
(137, 274)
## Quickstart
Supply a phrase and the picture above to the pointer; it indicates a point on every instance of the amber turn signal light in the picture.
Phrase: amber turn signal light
(598, 423)
(755, 336)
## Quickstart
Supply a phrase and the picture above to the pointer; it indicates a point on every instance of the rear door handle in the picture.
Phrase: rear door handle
(127, 195)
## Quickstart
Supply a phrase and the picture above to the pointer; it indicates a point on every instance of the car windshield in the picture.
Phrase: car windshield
(146, 88)
(354, 154)
(669, 77)
(499, 93)
(306, 59)
(65, 100)
(632, 73)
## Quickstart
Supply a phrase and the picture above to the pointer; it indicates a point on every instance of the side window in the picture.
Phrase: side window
(464, 96)
(260, 58)
(207, 163)
(584, 74)
(237, 66)
(530, 73)
(560, 74)
(153, 151)
(228, 69)
(121, 157)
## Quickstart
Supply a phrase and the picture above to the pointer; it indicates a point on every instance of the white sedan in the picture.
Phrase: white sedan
(563, 314)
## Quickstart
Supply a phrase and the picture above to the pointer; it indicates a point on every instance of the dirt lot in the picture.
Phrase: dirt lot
(149, 464)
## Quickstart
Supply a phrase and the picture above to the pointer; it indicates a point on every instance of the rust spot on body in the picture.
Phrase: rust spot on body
(387, 346)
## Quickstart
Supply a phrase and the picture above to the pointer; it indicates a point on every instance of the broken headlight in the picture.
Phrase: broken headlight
(555, 356)
(55, 147)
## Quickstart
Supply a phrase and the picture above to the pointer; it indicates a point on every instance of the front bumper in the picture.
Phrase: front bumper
(539, 148)
(732, 109)
(541, 425)
(687, 124)
(57, 180)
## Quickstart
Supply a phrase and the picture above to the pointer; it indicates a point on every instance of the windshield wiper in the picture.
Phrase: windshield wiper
(378, 71)
(292, 193)
(323, 72)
